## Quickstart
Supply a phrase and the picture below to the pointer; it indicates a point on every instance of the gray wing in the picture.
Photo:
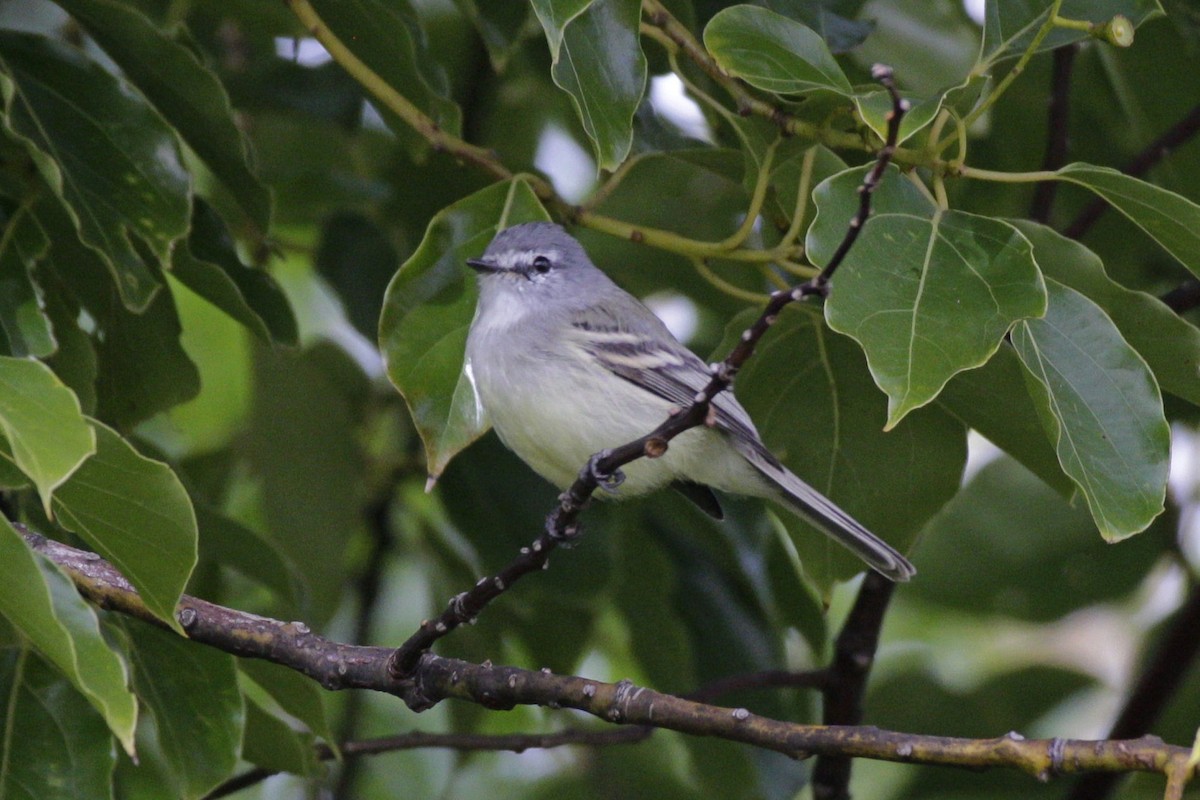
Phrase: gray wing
(647, 355)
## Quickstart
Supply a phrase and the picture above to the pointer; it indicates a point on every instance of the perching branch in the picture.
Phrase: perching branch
(342, 666)
(604, 467)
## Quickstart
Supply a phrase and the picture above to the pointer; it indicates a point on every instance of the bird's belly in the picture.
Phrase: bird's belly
(556, 434)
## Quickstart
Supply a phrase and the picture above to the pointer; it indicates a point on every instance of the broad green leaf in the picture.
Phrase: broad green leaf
(42, 603)
(773, 53)
(1009, 25)
(134, 512)
(227, 542)
(191, 733)
(25, 329)
(927, 293)
(599, 62)
(809, 392)
(1043, 557)
(1170, 345)
(297, 694)
(1101, 407)
(428, 309)
(501, 26)
(105, 154)
(555, 15)
(75, 360)
(388, 37)
(42, 421)
(1170, 219)
(52, 745)
(184, 91)
(209, 265)
(994, 401)
(874, 107)
(270, 743)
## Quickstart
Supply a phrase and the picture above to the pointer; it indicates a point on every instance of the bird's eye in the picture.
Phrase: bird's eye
(541, 264)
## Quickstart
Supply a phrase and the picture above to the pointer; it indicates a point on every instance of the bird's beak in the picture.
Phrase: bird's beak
(483, 265)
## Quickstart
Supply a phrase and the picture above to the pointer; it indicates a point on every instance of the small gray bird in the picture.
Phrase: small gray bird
(566, 364)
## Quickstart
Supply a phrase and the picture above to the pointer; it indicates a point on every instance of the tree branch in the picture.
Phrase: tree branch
(342, 666)
(1160, 680)
(604, 467)
(1176, 135)
(854, 654)
(1057, 127)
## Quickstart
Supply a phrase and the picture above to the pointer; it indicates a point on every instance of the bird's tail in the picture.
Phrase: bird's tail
(819, 510)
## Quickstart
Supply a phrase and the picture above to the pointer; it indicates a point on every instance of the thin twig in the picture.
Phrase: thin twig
(1177, 134)
(563, 523)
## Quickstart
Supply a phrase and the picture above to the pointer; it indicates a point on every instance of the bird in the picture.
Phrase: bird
(564, 364)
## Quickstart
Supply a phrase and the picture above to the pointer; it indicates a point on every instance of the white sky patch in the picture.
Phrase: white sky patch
(1184, 485)
(566, 163)
(669, 99)
(974, 9)
(307, 52)
(677, 312)
(980, 453)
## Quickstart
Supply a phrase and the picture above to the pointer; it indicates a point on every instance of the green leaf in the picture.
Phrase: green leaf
(191, 733)
(388, 37)
(1170, 219)
(42, 603)
(773, 53)
(227, 542)
(927, 293)
(297, 694)
(428, 309)
(501, 26)
(994, 401)
(270, 743)
(1043, 557)
(105, 154)
(183, 90)
(600, 64)
(809, 392)
(1009, 25)
(42, 421)
(1101, 407)
(555, 15)
(1170, 345)
(874, 108)
(134, 512)
(209, 265)
(25, 329)
(52, 745)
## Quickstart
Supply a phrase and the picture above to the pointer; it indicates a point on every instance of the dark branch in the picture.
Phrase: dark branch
(1183, 297)
(1159, 682)
(1057, 126)
(341, 666)
(563, 523)
(462, 742)
(1178, 134)
(854, 654)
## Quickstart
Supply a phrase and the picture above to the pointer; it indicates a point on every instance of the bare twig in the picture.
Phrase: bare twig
(463, 742)
(1057, 128)
(1176, 135)
(563, 523)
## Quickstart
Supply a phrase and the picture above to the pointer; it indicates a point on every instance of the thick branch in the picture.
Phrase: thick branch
(853, 656)
(343, 666)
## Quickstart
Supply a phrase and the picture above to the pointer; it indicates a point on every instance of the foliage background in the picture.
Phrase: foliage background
(202, 214)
